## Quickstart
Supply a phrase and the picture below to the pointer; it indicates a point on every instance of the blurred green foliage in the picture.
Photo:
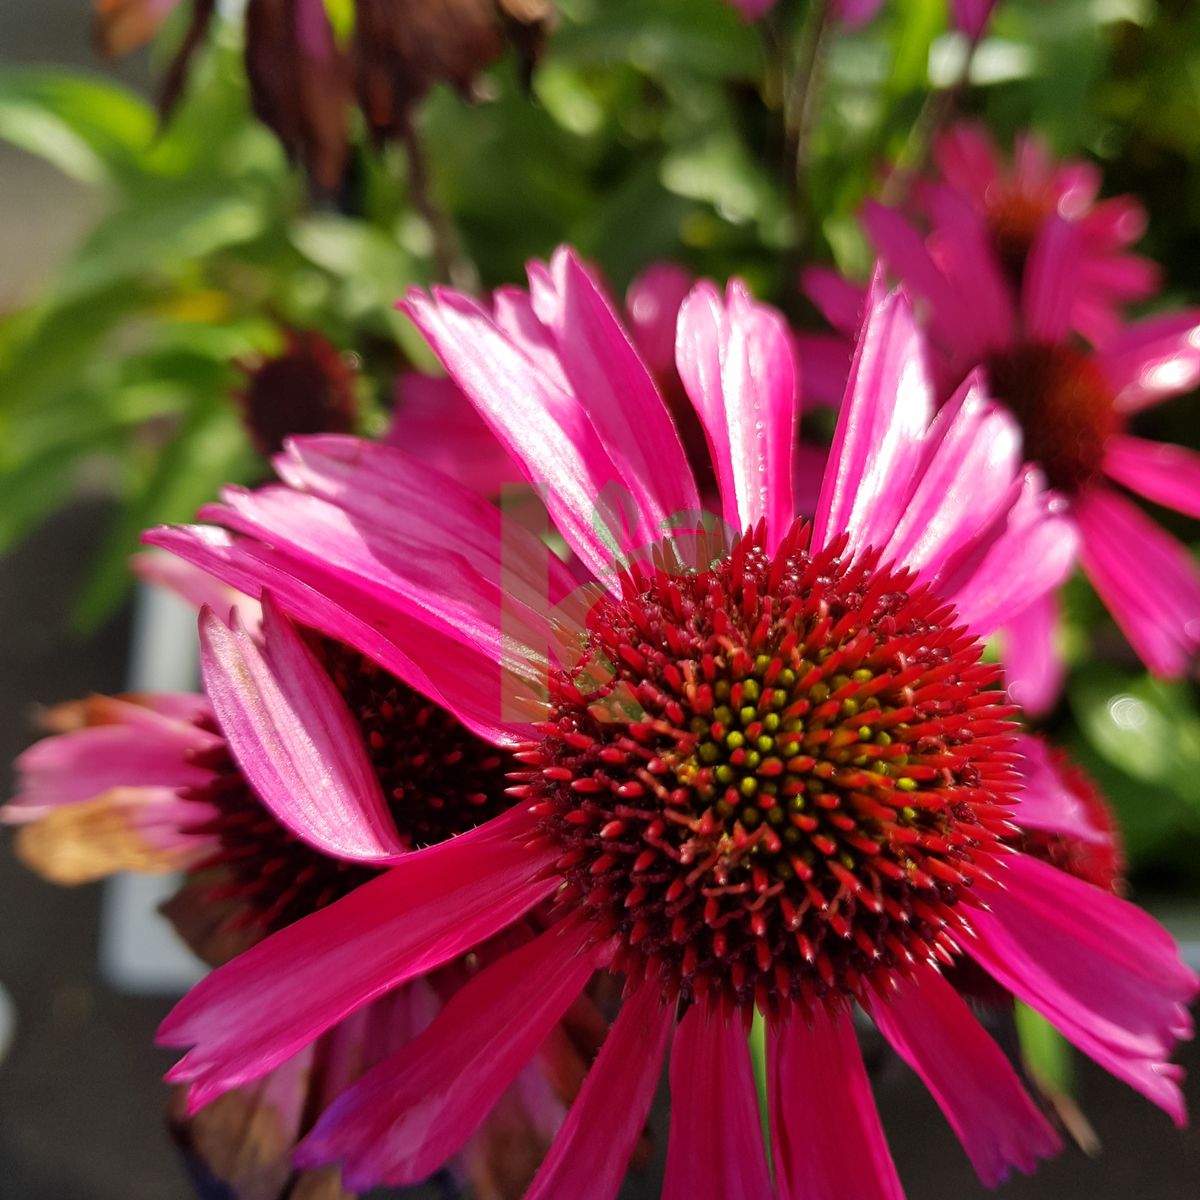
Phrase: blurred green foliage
(653, 129)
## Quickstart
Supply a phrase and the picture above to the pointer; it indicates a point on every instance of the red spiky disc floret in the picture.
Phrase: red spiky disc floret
(774, 779)
(438, 777)
(1015, 216)
(1064, 404)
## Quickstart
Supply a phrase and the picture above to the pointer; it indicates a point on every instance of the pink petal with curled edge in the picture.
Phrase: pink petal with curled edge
(1031, 552)
(652, 302)
(1154, 359)
(294, 739)
(1146, 578)
(1047, 803)
(735, 360)
(1106, 974)
(930, 1026)
(828, 1142)
(415, 1110)
(616, 391)
(1050, 284)
(543, 427)
(715, 1150)
(975, 452)
(1033, 665)
(415, 646)
(1166, 474)
(250, 1015)
(588, 1158)
(880, 432)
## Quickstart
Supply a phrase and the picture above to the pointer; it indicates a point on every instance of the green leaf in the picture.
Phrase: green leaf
(88, 127)
(1046, 1051)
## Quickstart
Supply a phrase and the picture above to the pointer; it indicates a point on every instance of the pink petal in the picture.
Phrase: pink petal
(616, 391)
(1166, 474)
(1154, 359)
(1050, 284)
(930, 1026)
(841, 302)
(963, 486)
(1033, 666)
(880, 431)
(1047, 803)
(823, 361)
(828, 1143)
(419, 1107)
(1146, 578)
(197, 587)
(435, 424)
(751, 10)
(854, 14)
(971, 16)
(294, 739)
(904, 252)
(414, 645)
(250, 1015)
(653, 301)
(967, 157)
(715, 1150)
(543, 426)
(588, 1158)
(1031, 553)
(736, 364)
(140, 748)
(1103, 972)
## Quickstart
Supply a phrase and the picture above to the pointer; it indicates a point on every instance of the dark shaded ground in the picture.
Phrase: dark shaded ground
(80, 1098)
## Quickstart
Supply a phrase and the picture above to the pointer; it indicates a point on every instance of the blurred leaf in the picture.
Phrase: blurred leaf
(88, 127)
(209, 450)
(1146, 727)
(1046, 1051)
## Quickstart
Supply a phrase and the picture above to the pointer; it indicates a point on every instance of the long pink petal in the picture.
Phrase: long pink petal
(880, 430)
(841, 302)
(1050, 283)
(715, 1149)
(968, 159)
(256, 1011)
(971, 16)
(1146, 578)
(543, 426)
(1166, 474)
(1154, 359)
(961, 489)
(1106, 974)
(930, 1026)
(419, 1107)
(1033, 666)
(294, 738)
(588, 1158)
(616, 391)
(735, 360)
(828, 1142)
(1032, 553)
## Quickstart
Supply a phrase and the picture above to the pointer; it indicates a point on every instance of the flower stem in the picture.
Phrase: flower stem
(447, 256)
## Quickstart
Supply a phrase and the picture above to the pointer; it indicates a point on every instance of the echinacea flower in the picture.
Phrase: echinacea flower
(761, 769)
(154, 783)
(1074, 406)
(305, 387)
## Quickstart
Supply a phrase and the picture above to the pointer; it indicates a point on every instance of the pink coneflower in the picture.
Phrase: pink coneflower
(1074, 406)
(151, 783)
(762, 769)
